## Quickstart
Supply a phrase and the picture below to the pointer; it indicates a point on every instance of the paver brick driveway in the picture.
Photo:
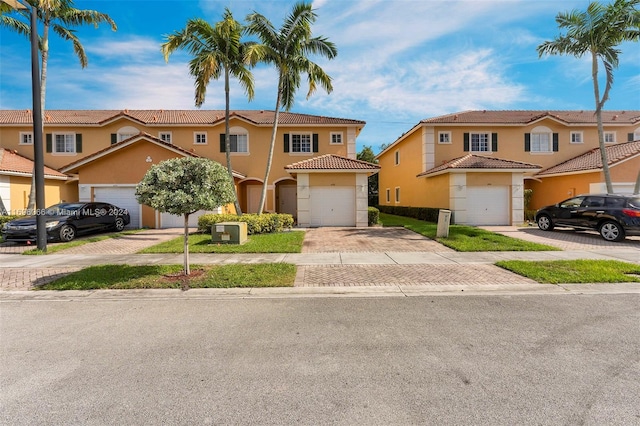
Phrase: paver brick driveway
(350, 240)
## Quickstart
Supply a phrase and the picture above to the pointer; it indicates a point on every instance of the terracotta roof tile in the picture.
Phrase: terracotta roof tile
(12, 162)
(167, 117)
(526, 117)
(332, 162)
(474, 161)
(591, 160)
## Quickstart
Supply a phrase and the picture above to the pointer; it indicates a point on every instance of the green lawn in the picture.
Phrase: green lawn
(465, 238)
(167, 276)
(280, 242)
(574, 271)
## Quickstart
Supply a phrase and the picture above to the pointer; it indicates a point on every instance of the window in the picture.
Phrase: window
(300, 142)
(64, 143)
(26, 138)
(200, 138)
(444, 137)
(397, 194)
(609, 137)
(165, 137)
(336, 138)
(397, 157)
(480, 142)
(388, 195)
(572, 203)
(576, 137)
(540, 142)
(238, 143)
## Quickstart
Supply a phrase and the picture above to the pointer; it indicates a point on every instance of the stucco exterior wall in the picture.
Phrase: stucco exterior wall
(55, 191)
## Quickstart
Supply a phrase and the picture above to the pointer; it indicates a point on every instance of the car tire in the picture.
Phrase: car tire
(612, 231)
(544, 222)
(119, 225)
(67, 233)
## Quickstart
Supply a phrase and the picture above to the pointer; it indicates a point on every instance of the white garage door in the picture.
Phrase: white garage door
(168, 220)
(333, 206)
(125, 198)
(488, 205)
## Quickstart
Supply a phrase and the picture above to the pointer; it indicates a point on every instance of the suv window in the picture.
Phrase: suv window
(572, 203)
(634, 202)
(593, 202)
(616, 202)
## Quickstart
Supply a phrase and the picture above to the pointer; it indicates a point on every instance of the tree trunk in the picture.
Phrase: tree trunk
(227, 142)
(263, 197)
(186, 245)
(599, 105)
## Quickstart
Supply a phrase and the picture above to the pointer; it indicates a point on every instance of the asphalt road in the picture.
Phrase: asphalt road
(495, 360)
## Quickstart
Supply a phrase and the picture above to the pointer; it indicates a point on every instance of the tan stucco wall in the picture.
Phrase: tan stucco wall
(55, 191)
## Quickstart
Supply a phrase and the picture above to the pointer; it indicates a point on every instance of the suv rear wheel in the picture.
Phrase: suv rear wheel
(612, 231)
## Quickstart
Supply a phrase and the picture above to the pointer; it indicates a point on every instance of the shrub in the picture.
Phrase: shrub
(373, 216)
(6, 218)
(428, 214)
(256, 224)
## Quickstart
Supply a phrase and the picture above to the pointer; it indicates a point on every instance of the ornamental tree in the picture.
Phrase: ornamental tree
(182, 186)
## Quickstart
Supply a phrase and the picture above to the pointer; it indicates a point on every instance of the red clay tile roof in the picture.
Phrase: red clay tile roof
(526, 117)
(12, 162)
(591, 160)
(474, 161)
(332, 162)
(167, 117)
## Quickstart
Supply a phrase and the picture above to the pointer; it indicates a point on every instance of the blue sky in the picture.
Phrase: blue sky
(399, 61)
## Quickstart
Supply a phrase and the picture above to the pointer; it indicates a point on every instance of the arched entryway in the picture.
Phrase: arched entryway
(249, 192)
(287, 196)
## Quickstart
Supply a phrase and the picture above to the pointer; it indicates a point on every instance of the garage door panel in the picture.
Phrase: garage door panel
(488, 205)
(122, 197)
(333, 206)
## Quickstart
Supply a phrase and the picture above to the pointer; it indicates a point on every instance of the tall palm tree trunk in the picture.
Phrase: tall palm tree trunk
(263, 197)
(227, 142)
(599, 105)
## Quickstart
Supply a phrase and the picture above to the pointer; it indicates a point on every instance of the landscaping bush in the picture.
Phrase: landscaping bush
(373, 216)
(6, 218)
(256, 224)
(428, 214)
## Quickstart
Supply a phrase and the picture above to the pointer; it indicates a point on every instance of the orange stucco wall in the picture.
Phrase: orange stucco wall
(55, 191)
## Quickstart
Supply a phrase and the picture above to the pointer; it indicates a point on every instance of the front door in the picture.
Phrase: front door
(288, 200)
(254, 192)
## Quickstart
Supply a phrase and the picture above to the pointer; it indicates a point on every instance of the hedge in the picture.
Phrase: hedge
(373, 215)
(256, 224)
(428, 214)
(6, 218)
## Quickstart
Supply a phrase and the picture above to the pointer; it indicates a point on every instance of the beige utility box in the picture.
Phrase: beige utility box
(229, 233)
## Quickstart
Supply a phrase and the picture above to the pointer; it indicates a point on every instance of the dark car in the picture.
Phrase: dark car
(66, 220)
(614, 216)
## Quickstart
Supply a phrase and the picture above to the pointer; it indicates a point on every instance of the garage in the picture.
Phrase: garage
(488, 205)
(333, 206)
(122, 197)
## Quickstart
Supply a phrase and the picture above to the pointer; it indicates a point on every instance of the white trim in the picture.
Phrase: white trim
(396, 157)
(54, 143)
(292, 152)
(448, 138)
(397, 194)
(489, 141)
(170, 134)
(579, 133)
(388, 195)
(609, 132)
(332, 134)
(27, 174)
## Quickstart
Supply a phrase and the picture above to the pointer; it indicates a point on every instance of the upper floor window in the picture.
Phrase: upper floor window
(165, 137)
(237, 142)
(541, 139)
(125, 133)
(609, 137)
(200, 138)
(26, 138)
(336, 138)
(540, 142)
(397, 157)
(576, 137)
(301, 142)
(480, 142)
(444, 137)
(64, 143)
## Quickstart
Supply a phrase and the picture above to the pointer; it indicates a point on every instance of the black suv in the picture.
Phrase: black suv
(613, 215)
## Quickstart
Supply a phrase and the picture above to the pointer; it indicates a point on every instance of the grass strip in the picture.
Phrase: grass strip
(574, 271)
(169, 276)
(465, 238)
(279, 242)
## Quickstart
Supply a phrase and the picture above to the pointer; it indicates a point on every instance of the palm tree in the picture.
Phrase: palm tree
(61, 17)
(215, 50)
(597, 31)
(287, 50)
